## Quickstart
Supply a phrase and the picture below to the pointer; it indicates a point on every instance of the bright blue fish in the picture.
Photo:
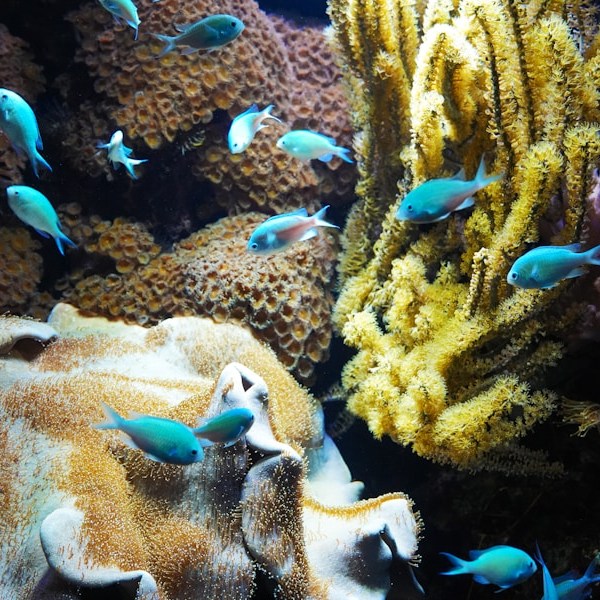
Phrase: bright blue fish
(436, 199)
(281, 231)
(33, 208)
(18, 121)
(125, 10)
(118, 152)
(244, 127)
(307, 145)
(209, 33)
(503, 566)
(550, 591)
(571, 587)
(544, 266)
(226, 428)
(161, 440)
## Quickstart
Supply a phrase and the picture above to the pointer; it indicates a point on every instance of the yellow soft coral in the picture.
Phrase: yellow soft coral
(449, 355)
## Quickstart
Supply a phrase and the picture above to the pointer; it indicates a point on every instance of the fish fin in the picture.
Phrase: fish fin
(482, 580)
(576, 247)
(42, 233)
(113, 418)
(481, 179)
(267, 113)
(38, 159)
(593, 255)
(62, 238)
(125, 439)
(326, 157)
(466, 203)
(460, 175)
(132, 162)
(38, 142)
(135, 35)
(343, 154)
(459, 565)
(248, 111)
(167, 40)
(181, 27)
(308, 234)
(105, 146)
(126, 151)
(188, 50)
(301, 212)
(153, 458)
(319, 218)
(204, 443)
(572, 574)
(590, 572)
(441, 218)
(576, 272)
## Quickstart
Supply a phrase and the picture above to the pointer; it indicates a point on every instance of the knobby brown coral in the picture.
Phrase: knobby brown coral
(98, 513)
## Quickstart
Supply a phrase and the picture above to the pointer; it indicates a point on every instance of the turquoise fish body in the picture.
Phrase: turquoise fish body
(545, 266)
(209, 33)
(436, 199)
(226, 428)
(161, 440)
(124, 10)
(119, 153)
(503, 566)
(281, 231)
(18, 121)
(244, 127)
(571, 587)
(33, 208)
(306, 145)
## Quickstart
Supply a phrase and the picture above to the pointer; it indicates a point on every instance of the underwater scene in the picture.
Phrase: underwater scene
(299, 300)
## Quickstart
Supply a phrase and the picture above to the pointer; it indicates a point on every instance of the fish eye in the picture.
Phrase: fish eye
(514, 276)
(16, 193)
(254, 245)
(409, 208)
(4, 96)
(233, 23)
(235, 144)
(194, 452)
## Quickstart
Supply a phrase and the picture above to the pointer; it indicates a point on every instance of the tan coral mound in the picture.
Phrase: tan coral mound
(158, 99)
(284, 298)
(98, 513)
(20, 74)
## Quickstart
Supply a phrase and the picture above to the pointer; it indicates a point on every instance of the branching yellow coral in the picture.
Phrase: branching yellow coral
(449, 355)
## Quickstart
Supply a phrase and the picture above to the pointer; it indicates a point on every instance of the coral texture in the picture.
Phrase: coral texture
(449, 355)
(183, 97)
(20, 74)
(285, 298)
(97, 513)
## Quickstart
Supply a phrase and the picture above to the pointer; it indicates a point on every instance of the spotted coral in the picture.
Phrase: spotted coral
(105, 515)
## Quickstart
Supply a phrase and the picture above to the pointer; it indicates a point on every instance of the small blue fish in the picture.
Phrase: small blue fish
(281, 231)
(226, 428)
(571, 587)
(161, 440)
(245, 125)
(118, 152)
(543, 267)
(436, 199)
(550, 591)
(503, 566)
(209, 33)
(33, 208)
(18, 121)
(125, 10)
(306, 145)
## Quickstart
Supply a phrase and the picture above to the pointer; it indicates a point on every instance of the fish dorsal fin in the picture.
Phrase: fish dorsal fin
(301, 212)
(569, 575)
(252, 109)
(460, 175)
(182, 27)
(133, 414)
(576, 247)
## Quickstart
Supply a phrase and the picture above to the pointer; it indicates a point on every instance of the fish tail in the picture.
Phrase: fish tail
(38, 159)
(593, 255)
(113, 418)
(590, 575)
(319, 218)
(61, 238)
(168, 41)
(460, 566)
(132, 162)
(343, 153)
(267, 113)
(481, 179)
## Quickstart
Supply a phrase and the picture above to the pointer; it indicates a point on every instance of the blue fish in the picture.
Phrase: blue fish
(545, 266)
(244, 127)
(571, 587)
(161, 440)
(18, 121)
(226, 428)
(125, 10)
(279, 232)
(436, 199)
(503, 566)
(307, 145)
(118, 152)
(209, 33)
(33, 208)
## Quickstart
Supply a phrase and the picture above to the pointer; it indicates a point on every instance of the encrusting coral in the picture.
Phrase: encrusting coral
(181, 98)
(285, 299)
(449, 355)
(85, 511)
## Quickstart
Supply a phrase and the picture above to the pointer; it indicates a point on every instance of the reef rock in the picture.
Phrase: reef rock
(82, 510)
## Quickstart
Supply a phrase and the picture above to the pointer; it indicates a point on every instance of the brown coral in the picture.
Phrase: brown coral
(284, 298)
(19, 73)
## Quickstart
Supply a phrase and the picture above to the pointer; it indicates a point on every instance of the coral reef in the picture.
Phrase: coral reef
(20, 74)
(285, 299)
(449, 355)
(85, 511)
(182, 97)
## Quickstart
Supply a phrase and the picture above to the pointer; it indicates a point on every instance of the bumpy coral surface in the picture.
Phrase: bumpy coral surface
(83, 510)
(285, 298)
(450, 355)
(20, 74)
(176, 96)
